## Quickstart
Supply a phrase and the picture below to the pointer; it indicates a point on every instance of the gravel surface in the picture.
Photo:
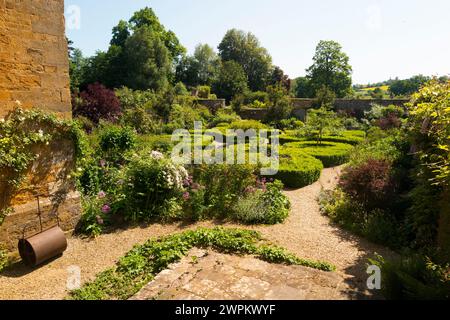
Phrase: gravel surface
(306, 233)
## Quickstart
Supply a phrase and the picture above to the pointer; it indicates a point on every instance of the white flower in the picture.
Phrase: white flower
(41, 133)
(157, 155)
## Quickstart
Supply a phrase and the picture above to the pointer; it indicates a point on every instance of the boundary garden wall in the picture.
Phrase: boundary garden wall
(34, 69)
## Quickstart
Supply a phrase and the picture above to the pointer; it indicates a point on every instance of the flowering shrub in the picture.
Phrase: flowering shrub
(370, 183)
(154, 186)
(267, 205)
(96, 216)
(225, 184)
(97, 103)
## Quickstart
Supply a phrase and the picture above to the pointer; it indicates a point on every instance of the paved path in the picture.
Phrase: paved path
(306, 233)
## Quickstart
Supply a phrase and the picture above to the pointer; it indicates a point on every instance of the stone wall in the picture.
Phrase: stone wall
(33, 56)
(212, 104)
(48, 177)
(354, 107)
(34, 69)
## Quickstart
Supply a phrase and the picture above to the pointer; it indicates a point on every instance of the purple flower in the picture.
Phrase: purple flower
(101, 195)
(196, 186)
(186, 196)
(99, 220)
(106, 209)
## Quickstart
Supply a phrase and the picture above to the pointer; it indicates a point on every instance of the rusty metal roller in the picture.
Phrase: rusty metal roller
(43, 246)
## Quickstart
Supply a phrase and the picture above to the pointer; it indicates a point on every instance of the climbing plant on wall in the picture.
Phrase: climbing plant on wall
(20, 133)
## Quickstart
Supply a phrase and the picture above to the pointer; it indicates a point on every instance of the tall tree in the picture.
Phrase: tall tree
(303, 88)
(148, 60)
(77, 65)
(147, 17)
(245, 49)
(331, 68)
(231, 80)
(279, 78)
(200, 68)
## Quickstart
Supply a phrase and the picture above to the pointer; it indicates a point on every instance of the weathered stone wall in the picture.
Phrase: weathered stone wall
(354, 107)
(212, 104)
(33, 56)
(34, 70)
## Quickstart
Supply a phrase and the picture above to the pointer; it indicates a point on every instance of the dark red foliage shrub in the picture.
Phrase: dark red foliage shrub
(97, 102)
(370, 184)
(391, 121)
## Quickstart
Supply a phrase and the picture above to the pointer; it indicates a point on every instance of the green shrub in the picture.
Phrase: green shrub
(378, 226)
(161, 143)
(248, 125)
(414, 278)
(180, 89)
(224, 116)
(289, 124)
(267, 206)
(204, 92)
(298, 169)
(116, 141)
(225, 184)
(153, 187)
(331, 154)
(93, 220)
(353, 137)
(4, 260)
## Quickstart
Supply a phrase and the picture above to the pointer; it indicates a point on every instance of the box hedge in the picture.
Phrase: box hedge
(330, 153)
(297, 169)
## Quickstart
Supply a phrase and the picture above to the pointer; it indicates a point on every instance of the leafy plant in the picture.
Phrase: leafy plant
(116, 141)
(370, 184)
(4, 260)
(414, 277)
(97, 103)
(153, 187)
(267, 206)
(144, 262)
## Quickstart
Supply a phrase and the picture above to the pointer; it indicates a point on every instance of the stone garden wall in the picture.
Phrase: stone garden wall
(34, 70)
(354, 107)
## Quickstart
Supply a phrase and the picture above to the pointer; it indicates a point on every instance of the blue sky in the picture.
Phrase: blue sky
(384, 38)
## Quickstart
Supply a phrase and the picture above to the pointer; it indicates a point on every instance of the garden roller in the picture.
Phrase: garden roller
(43, 246)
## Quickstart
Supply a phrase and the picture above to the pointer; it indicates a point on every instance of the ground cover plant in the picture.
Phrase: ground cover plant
(144, 262)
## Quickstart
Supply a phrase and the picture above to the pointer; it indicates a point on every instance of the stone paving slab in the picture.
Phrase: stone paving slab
(208, 275)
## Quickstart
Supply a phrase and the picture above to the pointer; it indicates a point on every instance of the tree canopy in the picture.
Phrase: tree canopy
(331, 68)
(245, 49)
(231, 80)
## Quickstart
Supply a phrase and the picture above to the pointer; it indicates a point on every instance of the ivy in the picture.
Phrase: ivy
(21, 132)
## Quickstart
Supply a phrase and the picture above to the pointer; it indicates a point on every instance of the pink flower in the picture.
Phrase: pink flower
(186, 196)
(99, 220)
(101, 195)
(106, 209)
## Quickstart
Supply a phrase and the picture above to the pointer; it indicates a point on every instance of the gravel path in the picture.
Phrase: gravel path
(306, 233)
